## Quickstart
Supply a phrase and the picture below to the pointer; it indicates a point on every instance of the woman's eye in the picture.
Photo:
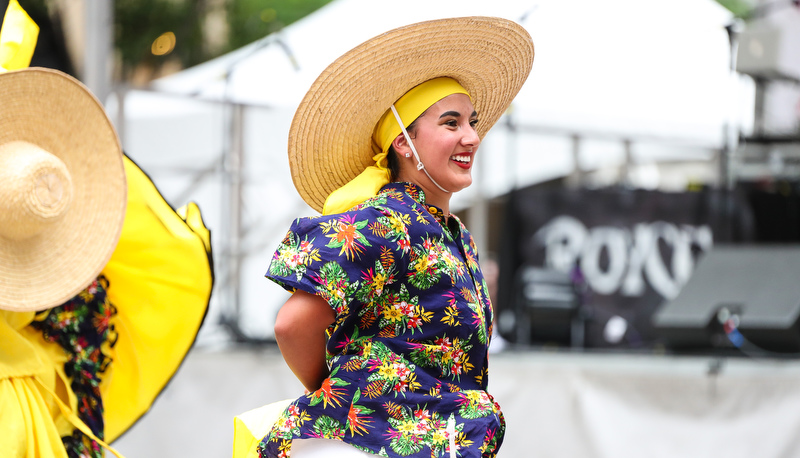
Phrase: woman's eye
(473, 122)
(451, 123)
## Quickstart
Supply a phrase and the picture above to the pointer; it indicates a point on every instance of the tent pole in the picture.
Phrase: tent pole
(99, 22)
(233, 234)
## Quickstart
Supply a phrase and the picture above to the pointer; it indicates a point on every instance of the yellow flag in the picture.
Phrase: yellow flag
(17, 38)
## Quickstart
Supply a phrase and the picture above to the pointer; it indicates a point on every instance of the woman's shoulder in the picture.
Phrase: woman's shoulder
(392, 209)
(368, 224)
(311, 222)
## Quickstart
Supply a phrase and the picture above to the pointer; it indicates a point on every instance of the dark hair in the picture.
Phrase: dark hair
(391, 157)
(394, 163)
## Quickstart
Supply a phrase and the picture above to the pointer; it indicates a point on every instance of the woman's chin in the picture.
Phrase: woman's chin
(460, 184)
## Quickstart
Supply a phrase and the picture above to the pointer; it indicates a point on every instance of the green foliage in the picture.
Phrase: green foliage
(250, 20)
(740, 8)
(32, 7)
(138, 23)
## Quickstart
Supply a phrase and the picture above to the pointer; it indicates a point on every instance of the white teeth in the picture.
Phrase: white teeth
(465, 159)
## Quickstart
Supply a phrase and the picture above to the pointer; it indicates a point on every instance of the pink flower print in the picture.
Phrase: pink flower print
(400, 386)
(406, 308)
(402, 371)
(414, 322)
(443, 343)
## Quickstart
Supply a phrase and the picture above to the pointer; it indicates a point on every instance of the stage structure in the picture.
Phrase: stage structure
(216, 133)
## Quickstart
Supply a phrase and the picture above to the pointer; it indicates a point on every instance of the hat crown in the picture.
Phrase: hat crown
(35, 189)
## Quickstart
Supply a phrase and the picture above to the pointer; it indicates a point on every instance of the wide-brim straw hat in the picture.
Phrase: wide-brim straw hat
(330, 135)
(62, 188)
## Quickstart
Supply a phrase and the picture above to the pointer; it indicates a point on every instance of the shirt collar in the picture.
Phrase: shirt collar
(416, 193)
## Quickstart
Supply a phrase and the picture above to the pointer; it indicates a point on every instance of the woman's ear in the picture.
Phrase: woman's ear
(401, 145)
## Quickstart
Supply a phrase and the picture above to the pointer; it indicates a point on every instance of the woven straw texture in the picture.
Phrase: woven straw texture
(330, 135)
(50, 114)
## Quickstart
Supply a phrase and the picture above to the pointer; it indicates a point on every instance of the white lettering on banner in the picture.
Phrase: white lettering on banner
(632, 255)
(612, 241)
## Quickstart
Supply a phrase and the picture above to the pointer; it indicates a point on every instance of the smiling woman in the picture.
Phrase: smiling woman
(389, 323)
(446, 135)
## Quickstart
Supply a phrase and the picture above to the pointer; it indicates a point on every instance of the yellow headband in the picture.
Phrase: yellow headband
(17, 38)
(410, 106)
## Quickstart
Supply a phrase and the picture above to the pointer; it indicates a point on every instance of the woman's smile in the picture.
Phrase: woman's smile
(463, 160)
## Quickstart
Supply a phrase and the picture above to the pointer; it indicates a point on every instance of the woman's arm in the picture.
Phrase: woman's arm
(300, 333)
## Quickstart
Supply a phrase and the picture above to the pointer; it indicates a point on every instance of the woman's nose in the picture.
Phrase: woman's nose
(471, 137)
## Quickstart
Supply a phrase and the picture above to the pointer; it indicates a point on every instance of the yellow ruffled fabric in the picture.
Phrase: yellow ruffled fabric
(31, 421)
(160, 280)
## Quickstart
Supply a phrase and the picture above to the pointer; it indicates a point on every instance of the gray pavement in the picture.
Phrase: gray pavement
(569, 405)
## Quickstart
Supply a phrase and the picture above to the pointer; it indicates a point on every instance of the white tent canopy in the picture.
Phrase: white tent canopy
(653, 72)
(629, 66)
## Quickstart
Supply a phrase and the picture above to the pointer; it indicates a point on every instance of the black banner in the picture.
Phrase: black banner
(620, 252)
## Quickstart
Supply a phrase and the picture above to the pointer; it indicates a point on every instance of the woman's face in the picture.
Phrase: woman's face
(446, 140)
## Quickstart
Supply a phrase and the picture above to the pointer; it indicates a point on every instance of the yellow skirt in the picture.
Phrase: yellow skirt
(160, 280)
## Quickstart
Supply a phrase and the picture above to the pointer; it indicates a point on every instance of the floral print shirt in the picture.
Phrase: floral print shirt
(408, 349)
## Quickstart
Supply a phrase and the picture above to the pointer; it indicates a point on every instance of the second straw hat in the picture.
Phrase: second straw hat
(62, 188)
(330, 135)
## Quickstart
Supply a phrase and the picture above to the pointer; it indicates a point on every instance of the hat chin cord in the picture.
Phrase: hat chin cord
(420, 165)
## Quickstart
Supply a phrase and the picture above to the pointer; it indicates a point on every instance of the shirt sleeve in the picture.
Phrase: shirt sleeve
(334, 257)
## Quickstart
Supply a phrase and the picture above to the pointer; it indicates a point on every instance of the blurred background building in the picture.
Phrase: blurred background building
(641, 196)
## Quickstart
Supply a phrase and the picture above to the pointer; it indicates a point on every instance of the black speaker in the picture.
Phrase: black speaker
(757, 285)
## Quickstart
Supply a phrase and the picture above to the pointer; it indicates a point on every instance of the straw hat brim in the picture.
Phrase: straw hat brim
(330, 135)
(58, 114)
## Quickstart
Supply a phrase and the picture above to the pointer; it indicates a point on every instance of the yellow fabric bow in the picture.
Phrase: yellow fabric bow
(17, 38)
(360, 188)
